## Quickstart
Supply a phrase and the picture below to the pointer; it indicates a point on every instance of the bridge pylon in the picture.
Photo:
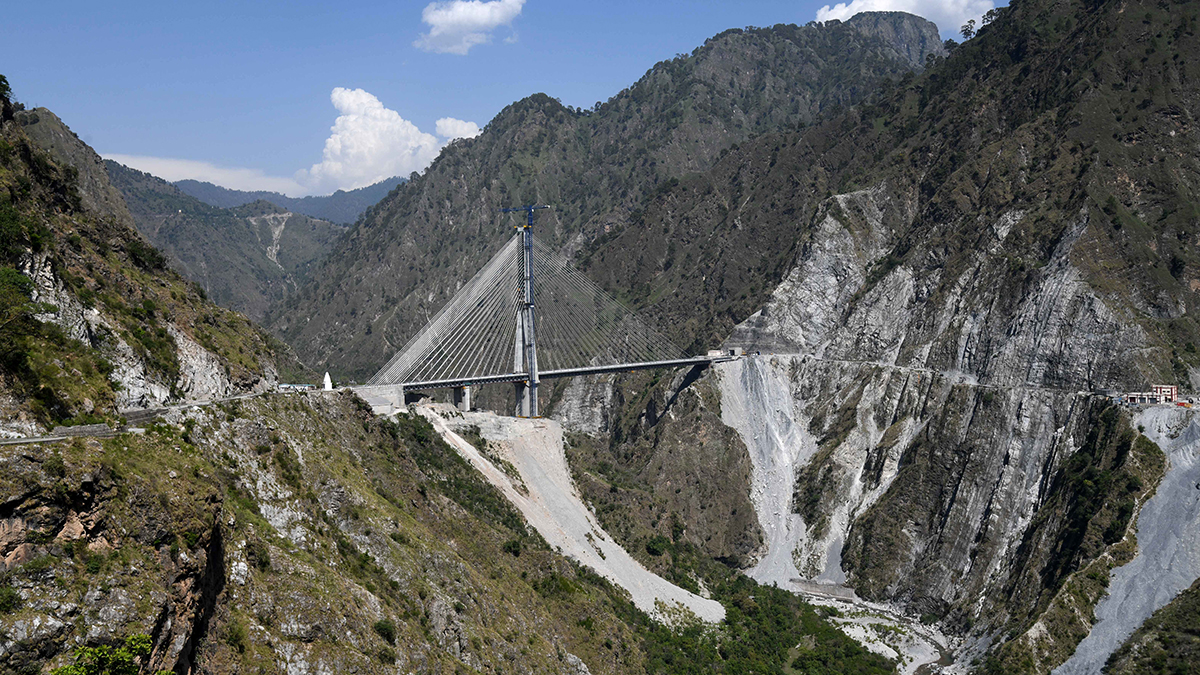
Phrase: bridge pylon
(493, 332)
(525, 358)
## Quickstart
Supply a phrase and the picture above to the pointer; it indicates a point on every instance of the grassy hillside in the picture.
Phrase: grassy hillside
(299, 529)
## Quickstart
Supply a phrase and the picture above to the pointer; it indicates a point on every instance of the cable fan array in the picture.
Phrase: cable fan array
(476, 333)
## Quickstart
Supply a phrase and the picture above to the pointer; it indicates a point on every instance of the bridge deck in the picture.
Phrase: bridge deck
(546, 374)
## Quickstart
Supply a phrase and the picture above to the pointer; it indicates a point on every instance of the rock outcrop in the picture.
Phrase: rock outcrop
(108, 328)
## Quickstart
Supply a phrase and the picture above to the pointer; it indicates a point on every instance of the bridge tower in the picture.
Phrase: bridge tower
(525, 356)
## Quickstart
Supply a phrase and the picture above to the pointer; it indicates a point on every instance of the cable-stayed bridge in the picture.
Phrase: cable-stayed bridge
(493, 331)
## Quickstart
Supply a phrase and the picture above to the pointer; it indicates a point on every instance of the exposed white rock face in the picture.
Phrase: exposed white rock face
(78, 322)
(1007, 442)
(576, 665)
(20, 424)
(275, 222)
(201, 375)
(139, 389)
(757, 401)
(551, 503)
(1168, 532)
(586, 405)
(910, 408)
(807, 307)
(879, 363)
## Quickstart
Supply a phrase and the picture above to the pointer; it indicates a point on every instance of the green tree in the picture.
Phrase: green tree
(6, 102)
(105, 660)
(15, 305)
(968, 30)
(387, 630)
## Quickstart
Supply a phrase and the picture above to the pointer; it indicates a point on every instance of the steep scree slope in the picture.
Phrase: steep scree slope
(541, 488)
(1167, 563)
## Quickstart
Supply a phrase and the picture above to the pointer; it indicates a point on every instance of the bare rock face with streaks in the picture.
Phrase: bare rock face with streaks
(908, 444)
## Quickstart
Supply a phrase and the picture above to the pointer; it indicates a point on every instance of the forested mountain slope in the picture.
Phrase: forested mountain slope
(1057, 127)
(274, 533)
(938, 279)
(408, 253)
(945, 273)
(248, 258)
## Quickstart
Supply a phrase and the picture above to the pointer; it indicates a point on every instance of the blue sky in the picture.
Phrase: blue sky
(266, 95)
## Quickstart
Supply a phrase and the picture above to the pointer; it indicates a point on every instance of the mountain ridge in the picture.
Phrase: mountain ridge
(938, 279)
(94, 322)
(596, 167)
(342, 207)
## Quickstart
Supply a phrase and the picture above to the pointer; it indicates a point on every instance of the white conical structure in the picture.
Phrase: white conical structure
(328, 382)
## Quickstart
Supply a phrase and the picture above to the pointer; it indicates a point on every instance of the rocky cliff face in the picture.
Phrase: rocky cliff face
(907, 376)
(937, 282)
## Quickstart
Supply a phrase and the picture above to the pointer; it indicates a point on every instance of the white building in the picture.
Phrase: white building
(1159, 393)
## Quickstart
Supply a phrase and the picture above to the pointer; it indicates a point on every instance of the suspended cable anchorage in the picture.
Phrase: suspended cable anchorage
(477, 334)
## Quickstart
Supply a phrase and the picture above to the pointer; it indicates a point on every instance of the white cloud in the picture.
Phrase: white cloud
(949, 15)
(450, 128)
(231, 177)
(458, 25)
(369, 143)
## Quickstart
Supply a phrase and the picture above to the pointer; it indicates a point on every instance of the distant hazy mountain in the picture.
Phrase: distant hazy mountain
(340, 207)
(247, 258)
